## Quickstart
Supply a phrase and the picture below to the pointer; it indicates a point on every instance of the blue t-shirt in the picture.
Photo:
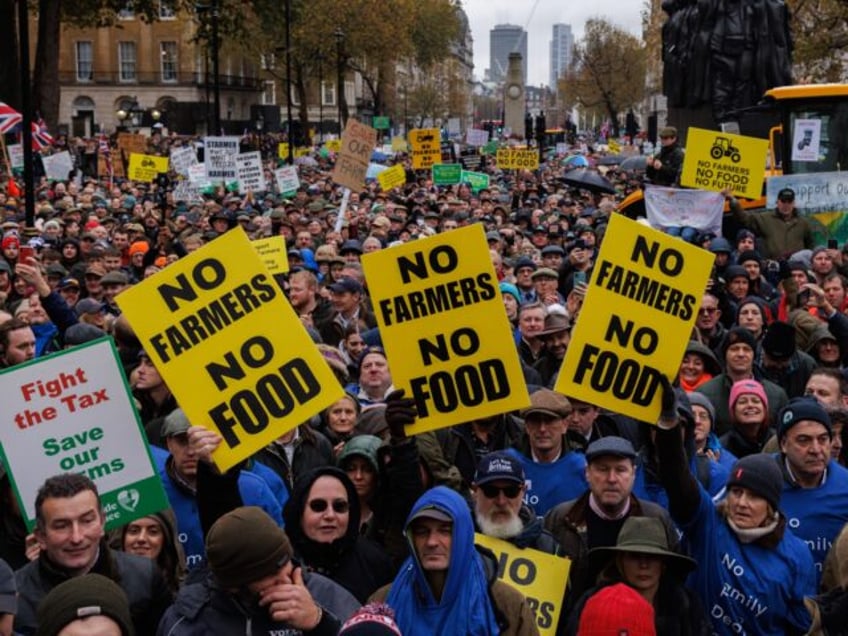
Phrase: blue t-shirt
(816, 515)
(747, 588)
(553, 483)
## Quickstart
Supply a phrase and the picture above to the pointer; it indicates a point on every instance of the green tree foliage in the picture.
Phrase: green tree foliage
(609, 73)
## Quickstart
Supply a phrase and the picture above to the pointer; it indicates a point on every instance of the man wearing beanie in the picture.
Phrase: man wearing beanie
(753, 573)
(255, 587)
(88, 604)
(737, 356)
(72, 501)
(815, 487)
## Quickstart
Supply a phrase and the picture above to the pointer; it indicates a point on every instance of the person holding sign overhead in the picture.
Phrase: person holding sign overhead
(783, 230)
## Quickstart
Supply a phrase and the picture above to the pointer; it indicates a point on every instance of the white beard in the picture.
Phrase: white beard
(499, 529)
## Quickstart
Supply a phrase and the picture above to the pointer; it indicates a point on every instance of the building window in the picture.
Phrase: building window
(168, 53)
(267, 61)
(127, 12)
(328, 94)
(269, 93)
(126, 61)
(85, 62)
(166, 10)
(294, 96)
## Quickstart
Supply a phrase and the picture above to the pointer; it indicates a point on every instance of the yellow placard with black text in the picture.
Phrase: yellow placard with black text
(146, 167)
(539, 576)
(272, 251)
(230, 347)
(717, 160)
(333, 145)
(444, 327)
(637, 317)
(425, 147)
(518, 159)
(392, 177)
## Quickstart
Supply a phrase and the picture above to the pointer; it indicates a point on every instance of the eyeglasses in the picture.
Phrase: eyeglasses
(708, 311)
(491, 491)
(340, 506)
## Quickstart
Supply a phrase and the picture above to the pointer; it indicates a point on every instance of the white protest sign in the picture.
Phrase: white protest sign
(182, 159)
(219, 157)
(72, 412)
(197, 175)
(16, 155)
(250, 175)
(676, 207)
(476, 137)
(188, 192)
(58, 166)
(287, 179)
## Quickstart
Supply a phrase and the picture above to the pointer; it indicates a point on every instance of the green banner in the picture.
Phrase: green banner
(490, 148)
(447, 174)
(477, 180)
(382, 123)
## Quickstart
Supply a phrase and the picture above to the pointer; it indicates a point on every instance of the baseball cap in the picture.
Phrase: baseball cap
(88, 306)
(346, 285)
(498, 466)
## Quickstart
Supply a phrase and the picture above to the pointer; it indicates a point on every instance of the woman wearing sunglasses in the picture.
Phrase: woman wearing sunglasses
(322, 519)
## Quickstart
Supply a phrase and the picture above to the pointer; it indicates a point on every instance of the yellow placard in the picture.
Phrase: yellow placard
(283, 150)
(636, 320)
(230, 347)
(614, 146)
(425, 147)
(146, 167)
(392, 177)
(272, 251)
(539, 576)
(717, 160)
(302, 152)
(333, 145)
(399, 144)
(518, 159)
(358, 141)
(444, 327)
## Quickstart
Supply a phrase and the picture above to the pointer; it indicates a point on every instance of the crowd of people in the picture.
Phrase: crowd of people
(725, 516)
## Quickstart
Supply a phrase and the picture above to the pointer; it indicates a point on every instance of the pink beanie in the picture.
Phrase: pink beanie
(747, 386)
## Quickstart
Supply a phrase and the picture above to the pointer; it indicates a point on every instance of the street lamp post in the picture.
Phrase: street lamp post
(290, 158)
(216, 78)
(339, 34)
(320, 59)
(26, 108)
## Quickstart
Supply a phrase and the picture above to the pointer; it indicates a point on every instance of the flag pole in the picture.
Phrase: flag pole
(26, 102)
(6, 156)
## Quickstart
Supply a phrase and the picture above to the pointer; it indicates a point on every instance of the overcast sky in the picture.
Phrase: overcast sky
(485, 14)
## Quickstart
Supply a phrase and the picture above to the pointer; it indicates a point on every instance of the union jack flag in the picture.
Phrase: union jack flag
(41, 138)
(9, 118)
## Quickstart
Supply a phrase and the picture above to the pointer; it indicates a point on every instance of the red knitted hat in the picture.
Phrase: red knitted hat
(617, 610)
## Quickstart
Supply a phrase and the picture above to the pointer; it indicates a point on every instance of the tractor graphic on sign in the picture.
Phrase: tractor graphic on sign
(723, 147)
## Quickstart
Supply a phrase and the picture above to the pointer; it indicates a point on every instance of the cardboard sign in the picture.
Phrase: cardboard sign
(539, 576)
(182, 159)
(518, 159)
(128, 143)
(358, 143)
(230, 347)
(719, 160)
(443, 325)
(272, 251)
(447, 174)
(392, 177)
(637, 317)
(146, 167)
(219, 157)
(57, 166)
(477, 180)
(287, 179)
(251, 176)
(425, 146)
(72, 412)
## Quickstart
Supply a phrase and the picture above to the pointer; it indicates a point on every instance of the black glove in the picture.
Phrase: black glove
(400, 412)
(669, 406)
